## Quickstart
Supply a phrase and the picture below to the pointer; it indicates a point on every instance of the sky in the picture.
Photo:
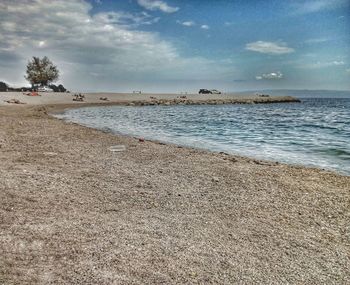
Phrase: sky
(180, 45)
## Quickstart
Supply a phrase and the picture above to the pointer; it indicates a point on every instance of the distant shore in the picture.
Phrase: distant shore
(139, 99)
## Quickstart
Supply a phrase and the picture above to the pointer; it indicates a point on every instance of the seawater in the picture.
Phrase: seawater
(313, 133)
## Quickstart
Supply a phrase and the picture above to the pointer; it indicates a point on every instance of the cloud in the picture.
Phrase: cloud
(127, 20)
(335, 62)
(192, 24)
(317, 40)
(348, 70)
(274, 48)
(320, 64)
(187, 23)
(41, 44)
(154, 5)
(306, 7)
(82, 43)
(272, 75)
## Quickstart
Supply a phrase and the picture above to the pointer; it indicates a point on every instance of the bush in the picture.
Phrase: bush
(3, 86)
(59, 88)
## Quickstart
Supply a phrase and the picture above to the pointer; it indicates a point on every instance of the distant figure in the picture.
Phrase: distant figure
(79, 97)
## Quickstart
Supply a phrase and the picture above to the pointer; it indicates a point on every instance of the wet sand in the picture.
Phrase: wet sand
(73, 212)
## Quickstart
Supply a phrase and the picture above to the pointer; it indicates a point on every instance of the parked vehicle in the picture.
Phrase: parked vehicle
(204, 91)
(261, 94)
(44, 89)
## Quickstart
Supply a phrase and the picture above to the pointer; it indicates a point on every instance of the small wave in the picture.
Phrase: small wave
(341, 153)
(298, 134)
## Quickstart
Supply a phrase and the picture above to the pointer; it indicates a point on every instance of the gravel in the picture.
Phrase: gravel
(73, 212)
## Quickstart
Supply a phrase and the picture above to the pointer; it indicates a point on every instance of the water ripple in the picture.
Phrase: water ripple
(314, 133)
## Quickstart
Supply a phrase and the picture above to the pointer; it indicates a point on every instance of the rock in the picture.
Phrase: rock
(215, 179)
(49, 153)
(117, 148)
(14, 101)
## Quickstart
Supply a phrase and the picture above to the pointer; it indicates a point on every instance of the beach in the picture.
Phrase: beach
(49, 98)
(75, 212)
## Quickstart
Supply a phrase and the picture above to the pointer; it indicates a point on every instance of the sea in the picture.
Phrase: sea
(315, 132)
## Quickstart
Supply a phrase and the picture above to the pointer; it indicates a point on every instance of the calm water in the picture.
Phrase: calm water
(315, 132)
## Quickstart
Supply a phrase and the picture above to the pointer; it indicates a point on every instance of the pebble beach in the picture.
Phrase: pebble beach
(75, 212)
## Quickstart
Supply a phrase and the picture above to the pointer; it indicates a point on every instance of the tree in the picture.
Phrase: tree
(41, 71)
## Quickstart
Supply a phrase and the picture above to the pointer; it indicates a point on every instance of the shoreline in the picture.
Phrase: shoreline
(56, 110)
(75, 212)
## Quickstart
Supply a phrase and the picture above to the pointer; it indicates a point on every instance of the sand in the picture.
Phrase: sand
(66, 98)
(73, 212)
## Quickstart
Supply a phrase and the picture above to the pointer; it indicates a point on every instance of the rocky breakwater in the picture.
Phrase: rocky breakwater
(188, 101)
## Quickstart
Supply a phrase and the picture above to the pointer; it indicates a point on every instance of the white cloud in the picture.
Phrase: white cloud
(320, 64)
(187, 23)
(312, 6)
(127, 20)
(275, 48)
(271, 75)
(192, 24)
(41, 44)
(317, 40)
(338, 62)
(348, 70)
(81, 44)
(157, 5)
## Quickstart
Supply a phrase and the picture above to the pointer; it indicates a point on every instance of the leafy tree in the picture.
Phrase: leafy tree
(41, 71)
(3, 86)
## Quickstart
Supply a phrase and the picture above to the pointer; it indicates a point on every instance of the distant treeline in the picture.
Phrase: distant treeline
(5, 88)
